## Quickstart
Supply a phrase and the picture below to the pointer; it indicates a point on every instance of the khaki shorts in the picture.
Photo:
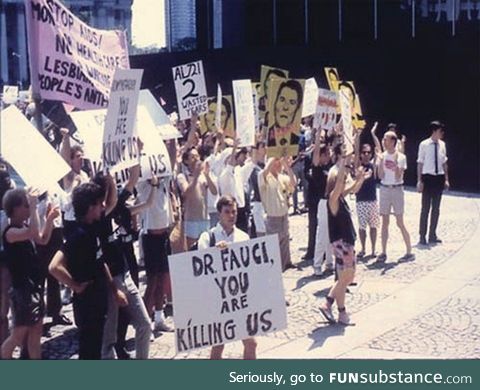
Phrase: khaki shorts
(391, 197)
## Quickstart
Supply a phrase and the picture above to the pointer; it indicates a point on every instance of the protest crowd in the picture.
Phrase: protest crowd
(100, 237)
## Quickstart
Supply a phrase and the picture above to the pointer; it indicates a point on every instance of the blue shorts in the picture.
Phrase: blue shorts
(193, 229)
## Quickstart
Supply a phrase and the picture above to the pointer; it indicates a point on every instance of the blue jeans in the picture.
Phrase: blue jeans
(138, 316)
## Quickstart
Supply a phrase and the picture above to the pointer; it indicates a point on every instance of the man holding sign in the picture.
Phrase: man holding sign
(220, 236)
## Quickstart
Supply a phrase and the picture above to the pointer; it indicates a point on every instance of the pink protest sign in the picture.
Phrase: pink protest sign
(69, 60)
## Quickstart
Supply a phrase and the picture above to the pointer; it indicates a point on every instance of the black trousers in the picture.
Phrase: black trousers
(46, 253)
(242, 219)
(90, 310)
(312, 227)
(431, 196)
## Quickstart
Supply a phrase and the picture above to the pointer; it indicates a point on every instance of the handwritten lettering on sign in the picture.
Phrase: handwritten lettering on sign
(69, 60)
(242, 293)
(190, 89)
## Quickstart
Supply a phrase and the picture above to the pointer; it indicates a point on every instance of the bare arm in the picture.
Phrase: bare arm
(111, 196)
(288, 169)
(138, 208)
(210, 184)
(58, 269)
(376, 141)
(134, 174)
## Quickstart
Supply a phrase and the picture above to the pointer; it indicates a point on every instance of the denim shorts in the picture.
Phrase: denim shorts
(193, 229)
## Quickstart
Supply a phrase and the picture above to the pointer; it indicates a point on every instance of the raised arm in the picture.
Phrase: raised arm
(376, 141)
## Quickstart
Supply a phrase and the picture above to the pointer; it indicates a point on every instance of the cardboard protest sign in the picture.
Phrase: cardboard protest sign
(223, 295)
(120, 149)
(284, 117)
(218, 112)
(346, 109)
(30, 154)
(310, 97)
(69, 60)
(154, 159)
(244, 112)
(350, 91)
(89, 134)
(333, 78)
(191, 89)
(326, 113)
(207, 121)
(10, 94)
(158, 115)
(256, 113)
(267, 74)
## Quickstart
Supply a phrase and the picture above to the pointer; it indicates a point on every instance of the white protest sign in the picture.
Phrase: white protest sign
(120, 149)
(158, 115)
(155, 159)
(326, 112)
(255, 107)
(90, 125)
(10, 94)
(30, 154)
(218, 112)
(310, 96)
(222, 295)
(244, 112)
(190, 88)
(346, 110)
(69, 60)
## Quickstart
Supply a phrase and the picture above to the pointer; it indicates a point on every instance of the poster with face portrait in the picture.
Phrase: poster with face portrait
(207, 121)
(267, 74)
(349, 88)
(333, 78)
(284, 117)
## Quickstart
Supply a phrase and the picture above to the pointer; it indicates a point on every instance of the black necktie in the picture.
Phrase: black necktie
(436, 157)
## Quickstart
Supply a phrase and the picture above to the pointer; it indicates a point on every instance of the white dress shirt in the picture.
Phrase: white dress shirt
(426, 156)
(220, 234)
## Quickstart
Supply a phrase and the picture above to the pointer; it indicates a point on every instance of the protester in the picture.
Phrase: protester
(342, 236)
(220, 236)
(275, 189)
(80, 265)
(24, 266)
(391, 167)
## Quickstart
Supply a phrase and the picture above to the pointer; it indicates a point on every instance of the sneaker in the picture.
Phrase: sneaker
(408, 257)
(162, 326)
(326, 310)
(343, 318)
(382, 258)
(317, 271)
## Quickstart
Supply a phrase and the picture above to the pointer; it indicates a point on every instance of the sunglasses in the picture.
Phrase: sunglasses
(366, 152)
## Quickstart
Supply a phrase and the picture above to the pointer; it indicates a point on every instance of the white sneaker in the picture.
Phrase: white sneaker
(162, 326)
(343, 318)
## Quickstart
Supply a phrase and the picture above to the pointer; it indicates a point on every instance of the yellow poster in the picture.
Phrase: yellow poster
(333, 78)
(284, 116)
(350, 91)
(267, 74)
(207, 121)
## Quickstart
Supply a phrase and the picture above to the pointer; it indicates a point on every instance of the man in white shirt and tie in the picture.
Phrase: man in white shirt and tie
(432, 174)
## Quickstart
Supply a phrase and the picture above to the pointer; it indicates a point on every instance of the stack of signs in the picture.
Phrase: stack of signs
(191, 89)
(223, 295)
(310, 97)
(30, 154)
(69, 60)
(10, 94)
(120, 144)
(284, 116)
(244, 112)
(326, 112)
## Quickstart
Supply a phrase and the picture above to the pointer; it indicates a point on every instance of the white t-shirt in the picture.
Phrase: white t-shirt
(159, 214)
(390, 167)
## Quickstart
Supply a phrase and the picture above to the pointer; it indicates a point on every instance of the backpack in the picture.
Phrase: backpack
(211, 243)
